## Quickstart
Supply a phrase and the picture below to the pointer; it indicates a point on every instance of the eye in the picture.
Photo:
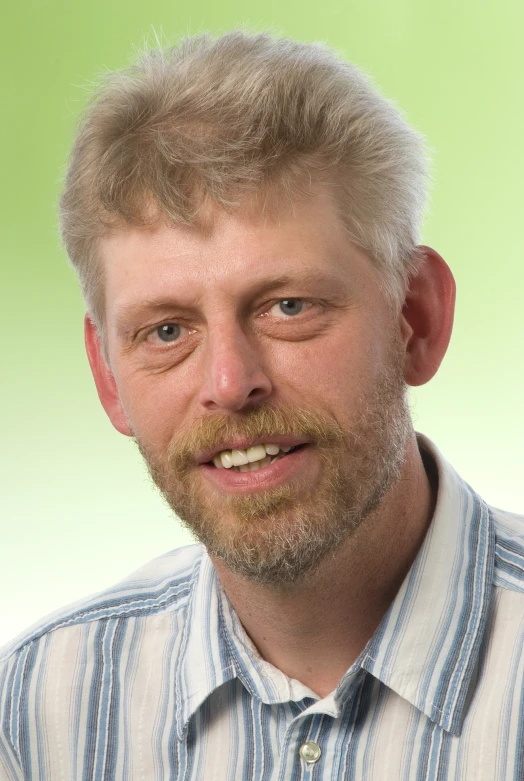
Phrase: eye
(167, 332)
(289, 307)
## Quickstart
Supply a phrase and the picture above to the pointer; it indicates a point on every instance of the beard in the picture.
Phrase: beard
(278, 536)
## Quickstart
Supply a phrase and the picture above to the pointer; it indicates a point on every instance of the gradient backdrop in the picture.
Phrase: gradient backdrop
(76, 507)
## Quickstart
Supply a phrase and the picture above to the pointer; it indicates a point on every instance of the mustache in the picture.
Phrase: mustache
(215, 429)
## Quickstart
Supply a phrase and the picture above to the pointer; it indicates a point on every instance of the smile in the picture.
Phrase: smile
(252, 458)
(264, 473)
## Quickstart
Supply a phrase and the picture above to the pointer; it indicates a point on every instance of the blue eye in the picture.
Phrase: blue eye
(291, 306)
(168, 332)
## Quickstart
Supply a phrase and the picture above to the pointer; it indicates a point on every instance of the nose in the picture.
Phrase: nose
(234, 377)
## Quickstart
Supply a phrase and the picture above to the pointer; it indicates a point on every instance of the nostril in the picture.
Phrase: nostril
(255, 392)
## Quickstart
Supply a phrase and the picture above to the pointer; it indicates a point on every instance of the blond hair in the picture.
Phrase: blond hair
(223, 118)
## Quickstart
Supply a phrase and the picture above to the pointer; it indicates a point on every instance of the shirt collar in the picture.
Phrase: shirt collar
(425, 649)
(215, 649)
(204, 662)
(427, 646)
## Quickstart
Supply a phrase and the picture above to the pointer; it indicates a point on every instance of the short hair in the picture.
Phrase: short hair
(221, 118)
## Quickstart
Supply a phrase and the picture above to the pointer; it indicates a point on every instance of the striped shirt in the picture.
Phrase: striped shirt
(155, 678)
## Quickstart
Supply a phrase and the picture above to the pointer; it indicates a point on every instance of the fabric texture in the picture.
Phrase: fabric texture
(155, 678)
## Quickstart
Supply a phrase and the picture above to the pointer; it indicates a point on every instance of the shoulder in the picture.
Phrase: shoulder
(509, 549)
(161, 585)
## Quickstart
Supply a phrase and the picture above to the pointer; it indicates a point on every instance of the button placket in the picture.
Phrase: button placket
(300, 750)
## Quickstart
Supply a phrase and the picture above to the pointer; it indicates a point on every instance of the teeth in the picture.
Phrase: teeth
(225, 457)
(255, 465)
(256, 453)
(239, 457)
(254, 457)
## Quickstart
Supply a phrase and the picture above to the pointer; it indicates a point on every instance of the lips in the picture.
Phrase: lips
(270, 475)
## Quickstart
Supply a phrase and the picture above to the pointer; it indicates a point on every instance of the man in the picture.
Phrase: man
(243, 214)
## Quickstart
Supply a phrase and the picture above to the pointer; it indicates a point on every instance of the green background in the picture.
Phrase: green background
(77, 509)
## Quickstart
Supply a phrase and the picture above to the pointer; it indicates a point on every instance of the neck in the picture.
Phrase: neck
(314, 629)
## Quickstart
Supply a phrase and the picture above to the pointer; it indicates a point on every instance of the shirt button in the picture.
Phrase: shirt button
(310, 752)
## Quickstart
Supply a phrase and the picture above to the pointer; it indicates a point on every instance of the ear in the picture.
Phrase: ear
(104, 379)
(427, 317)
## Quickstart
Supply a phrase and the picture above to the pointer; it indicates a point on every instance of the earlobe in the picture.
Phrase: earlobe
(427, 317)
(104, 379)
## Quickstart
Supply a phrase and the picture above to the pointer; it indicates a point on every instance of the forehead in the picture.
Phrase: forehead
(234, 252)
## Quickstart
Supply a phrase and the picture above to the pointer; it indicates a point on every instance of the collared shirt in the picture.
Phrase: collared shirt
(156, 680)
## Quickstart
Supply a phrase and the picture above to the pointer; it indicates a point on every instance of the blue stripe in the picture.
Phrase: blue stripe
(92, 726)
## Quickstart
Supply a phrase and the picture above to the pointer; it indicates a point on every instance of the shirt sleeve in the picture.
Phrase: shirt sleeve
(10, 765)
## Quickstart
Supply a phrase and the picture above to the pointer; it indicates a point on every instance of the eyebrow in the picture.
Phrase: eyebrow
(129, 314)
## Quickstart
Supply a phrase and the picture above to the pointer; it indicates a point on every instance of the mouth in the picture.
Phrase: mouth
(269, 470)
(252, 458)
(241, 451)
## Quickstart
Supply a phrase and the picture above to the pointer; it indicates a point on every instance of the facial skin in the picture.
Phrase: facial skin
(325, 371)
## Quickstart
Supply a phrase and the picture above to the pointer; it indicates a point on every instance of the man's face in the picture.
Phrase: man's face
(251, 332)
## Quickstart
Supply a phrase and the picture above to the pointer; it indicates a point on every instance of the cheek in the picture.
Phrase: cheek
(335, 369)
(321, 379)
(155, 404)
